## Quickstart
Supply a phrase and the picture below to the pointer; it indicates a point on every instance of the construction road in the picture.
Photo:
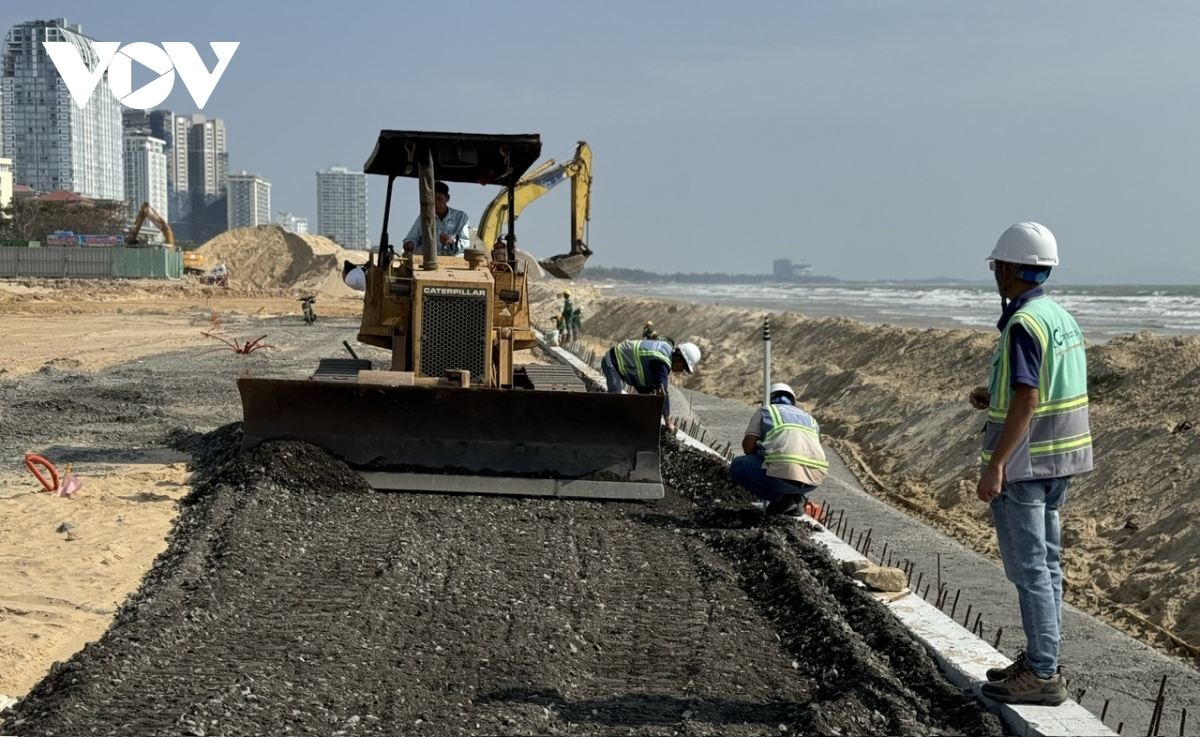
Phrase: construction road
(292, 599)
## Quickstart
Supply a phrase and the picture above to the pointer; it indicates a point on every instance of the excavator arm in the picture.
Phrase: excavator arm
(147, 213)
(537, 183)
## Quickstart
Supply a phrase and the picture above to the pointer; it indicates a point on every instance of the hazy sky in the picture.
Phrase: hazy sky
(871, 139)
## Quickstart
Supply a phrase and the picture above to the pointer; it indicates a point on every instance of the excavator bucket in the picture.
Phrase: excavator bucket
(566, 266)
(468, 439)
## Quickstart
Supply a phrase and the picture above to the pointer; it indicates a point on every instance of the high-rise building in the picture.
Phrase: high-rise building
(53, 143)
(146, 180)
(292, 223)
(208, 157)
(172, 130)
(249, 200)
(342, 207)
(6, 182)
(207, 170)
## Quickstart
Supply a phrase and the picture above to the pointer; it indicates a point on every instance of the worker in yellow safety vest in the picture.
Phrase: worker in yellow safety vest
(784, 459)
(1036, 438)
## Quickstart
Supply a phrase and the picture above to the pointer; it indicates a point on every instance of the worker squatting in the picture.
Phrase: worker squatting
(1036, 439)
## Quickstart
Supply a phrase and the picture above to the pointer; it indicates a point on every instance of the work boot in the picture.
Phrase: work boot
(1008, 671)
(999, 674)
(1024, 687)
(786, 505)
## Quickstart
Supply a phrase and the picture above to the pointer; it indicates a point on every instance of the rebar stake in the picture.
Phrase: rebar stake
(1156, 715)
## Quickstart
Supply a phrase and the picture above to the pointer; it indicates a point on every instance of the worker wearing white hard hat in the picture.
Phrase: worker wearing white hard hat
(783, 460)
(647, 365)
(1036, 438)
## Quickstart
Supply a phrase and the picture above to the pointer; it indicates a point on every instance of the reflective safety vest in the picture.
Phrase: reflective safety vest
(791, 436)
(633, 357)
(1059, 441)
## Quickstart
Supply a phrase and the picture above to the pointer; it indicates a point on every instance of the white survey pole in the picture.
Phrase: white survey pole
(766, 361)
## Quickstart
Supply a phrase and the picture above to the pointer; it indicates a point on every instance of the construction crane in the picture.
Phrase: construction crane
(448, 410)
(537, 183)
(147, 213)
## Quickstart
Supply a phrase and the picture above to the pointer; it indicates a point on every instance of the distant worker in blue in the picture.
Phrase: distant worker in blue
(647, 365)
(453, 238)
(784, 459)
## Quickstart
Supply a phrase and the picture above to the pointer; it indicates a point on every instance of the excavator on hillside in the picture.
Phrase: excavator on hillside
(193, 263)
(451, 411)
(532, 186)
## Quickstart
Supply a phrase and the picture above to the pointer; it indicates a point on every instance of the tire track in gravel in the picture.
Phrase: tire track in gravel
(294, 600)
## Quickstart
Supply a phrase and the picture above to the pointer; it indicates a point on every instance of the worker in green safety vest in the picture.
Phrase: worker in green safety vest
(647, 365)
(1037, 437)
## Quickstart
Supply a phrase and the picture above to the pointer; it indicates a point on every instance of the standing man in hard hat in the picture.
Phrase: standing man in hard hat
(646, 365)
(1036, 438)
(451, 225)
(784, 459)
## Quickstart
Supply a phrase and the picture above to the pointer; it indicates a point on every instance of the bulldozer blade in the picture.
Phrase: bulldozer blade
(567, 266)
(466, 439)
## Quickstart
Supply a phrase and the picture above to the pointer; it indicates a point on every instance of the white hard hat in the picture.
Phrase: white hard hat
(691, 355)
(1026, 243)
(779, 386)
(356, 279)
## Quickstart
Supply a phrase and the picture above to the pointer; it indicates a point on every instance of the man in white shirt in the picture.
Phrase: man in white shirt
(452, 235)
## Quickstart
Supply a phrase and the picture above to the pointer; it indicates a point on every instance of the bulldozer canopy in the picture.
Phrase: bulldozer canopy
(457, 157)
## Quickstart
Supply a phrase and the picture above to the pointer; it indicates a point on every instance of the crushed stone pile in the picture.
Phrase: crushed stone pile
(269, 257)
(292, 598)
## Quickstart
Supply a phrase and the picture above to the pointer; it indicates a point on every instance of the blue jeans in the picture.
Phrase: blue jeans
(748, 471)
(1027, 529)
(616, 384)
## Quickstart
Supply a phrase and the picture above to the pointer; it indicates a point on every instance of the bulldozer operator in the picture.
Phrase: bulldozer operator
(647, 365)
(453, 238)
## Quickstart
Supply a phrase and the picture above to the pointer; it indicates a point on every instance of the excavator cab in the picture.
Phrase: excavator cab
(450, 411)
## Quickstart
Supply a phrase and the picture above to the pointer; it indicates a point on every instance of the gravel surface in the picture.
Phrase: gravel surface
(293, 599)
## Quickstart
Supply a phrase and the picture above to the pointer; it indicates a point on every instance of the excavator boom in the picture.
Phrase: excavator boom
(537, 183)
(147, 213)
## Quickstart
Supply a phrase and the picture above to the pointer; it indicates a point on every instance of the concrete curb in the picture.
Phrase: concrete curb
(962, 656)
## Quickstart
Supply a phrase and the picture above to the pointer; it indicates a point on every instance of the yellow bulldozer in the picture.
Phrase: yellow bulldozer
(452, 412)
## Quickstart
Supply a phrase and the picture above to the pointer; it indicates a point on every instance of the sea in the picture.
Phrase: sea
(1103, 312)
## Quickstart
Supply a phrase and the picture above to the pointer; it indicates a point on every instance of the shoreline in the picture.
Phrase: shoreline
(942, 306)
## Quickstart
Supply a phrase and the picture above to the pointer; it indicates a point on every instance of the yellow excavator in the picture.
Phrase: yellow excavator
(147, 213)
(193, 263)
(451, 411)
(537, 183)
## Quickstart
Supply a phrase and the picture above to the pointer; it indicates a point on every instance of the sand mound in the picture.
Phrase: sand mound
(894, 400)
(269, 257)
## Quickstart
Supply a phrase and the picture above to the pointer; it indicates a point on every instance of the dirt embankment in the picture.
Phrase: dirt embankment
(894, 400)
(269, 257)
